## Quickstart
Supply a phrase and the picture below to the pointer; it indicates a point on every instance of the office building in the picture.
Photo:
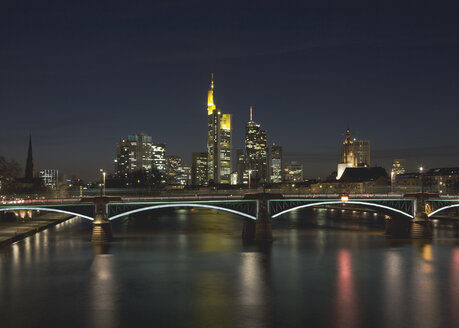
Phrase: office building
(199, 169)
(294, 172)
(49, 178)
(172, 166)
(184, 175)
(256, 150)
(159, 157)
(134, 153)
(275, 164)
(219, 141)
(398, 167)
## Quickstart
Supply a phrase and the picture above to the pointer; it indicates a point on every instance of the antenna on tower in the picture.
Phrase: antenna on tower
(251, 113)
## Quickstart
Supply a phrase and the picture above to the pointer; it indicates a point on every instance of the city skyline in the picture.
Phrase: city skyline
(89, 89)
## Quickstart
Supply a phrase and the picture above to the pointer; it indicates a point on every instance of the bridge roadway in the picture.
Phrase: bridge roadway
(257, 209)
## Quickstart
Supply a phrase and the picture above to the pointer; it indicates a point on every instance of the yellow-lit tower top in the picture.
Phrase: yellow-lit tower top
(210, 96)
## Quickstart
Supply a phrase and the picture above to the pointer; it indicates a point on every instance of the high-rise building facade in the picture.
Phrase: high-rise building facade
(294, 172)
(199, 169)
(275, 164)
(172, 166)
(219, 141)
(159, 157)
(184, 175)
(398, 167)
(49, 178)
(134, 153)
(242, 167)
(256, 149)
(362, 152)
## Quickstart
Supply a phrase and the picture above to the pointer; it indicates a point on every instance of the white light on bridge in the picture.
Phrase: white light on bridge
(344, 198)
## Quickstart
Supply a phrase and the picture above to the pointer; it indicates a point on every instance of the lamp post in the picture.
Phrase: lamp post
(421, 178)
(102, 182)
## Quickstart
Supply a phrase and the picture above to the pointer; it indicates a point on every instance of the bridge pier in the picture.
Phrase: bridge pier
(101, 227)
(419, 227)
(263, 225)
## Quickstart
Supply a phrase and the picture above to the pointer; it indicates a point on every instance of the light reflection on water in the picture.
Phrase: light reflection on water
(191, 269)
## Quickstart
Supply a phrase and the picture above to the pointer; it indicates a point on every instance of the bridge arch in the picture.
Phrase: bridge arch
(44, 209)
(442, 209)
(154, 207)
(342, 202)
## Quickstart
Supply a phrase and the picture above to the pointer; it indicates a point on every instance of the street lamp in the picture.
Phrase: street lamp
(102, 185)
(420, 176)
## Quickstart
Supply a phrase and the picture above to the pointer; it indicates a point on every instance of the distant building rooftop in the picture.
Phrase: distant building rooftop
(361, 174)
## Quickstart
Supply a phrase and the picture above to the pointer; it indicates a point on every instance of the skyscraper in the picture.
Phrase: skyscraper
(134, 153)
(219, 135)
(275, 164)
(256, 151)
(199, 169)
(242, 167)
(172, 165)
(398, 167)
(159, 157)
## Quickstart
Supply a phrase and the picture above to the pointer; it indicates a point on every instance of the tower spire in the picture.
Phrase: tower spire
(210, 96)
(29, 163)
(251, 114)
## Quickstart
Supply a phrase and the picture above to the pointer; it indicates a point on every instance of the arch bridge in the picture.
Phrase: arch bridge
(258, 210)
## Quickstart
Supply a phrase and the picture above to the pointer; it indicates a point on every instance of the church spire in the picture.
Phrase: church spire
(29, 163)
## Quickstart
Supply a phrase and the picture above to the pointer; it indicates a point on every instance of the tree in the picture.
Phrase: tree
(145, 179)
(9, 170)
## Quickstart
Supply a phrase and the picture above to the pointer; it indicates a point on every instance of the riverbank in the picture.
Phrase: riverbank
(11, 232)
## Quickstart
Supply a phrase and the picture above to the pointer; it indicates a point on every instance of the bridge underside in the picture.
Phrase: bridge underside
(85, 211)
(399, 206)
(245, 208)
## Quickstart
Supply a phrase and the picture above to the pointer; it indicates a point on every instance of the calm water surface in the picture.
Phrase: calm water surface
(185, 268)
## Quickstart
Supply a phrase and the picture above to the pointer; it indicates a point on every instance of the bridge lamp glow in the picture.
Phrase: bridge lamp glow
(344, 198)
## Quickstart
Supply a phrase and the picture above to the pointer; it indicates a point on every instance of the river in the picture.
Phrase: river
(190, 268)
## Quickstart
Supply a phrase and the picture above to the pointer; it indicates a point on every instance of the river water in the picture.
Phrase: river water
(190, 268)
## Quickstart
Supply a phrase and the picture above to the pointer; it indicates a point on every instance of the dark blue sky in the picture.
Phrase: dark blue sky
(81, 76)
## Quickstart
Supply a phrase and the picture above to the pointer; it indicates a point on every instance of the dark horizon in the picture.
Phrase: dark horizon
(81, 77)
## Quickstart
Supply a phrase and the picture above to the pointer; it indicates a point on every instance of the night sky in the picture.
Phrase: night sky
(80, 76)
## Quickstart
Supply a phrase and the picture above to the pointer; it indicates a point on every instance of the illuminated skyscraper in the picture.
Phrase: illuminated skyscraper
(398, 167)
(256, 151)
(172, 165)
(218, 141)
(199, 169)
(134, 153)
(159, 157)
(275, 164)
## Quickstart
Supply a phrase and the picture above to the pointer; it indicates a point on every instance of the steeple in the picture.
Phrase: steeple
(210, 96)
(29, 163)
